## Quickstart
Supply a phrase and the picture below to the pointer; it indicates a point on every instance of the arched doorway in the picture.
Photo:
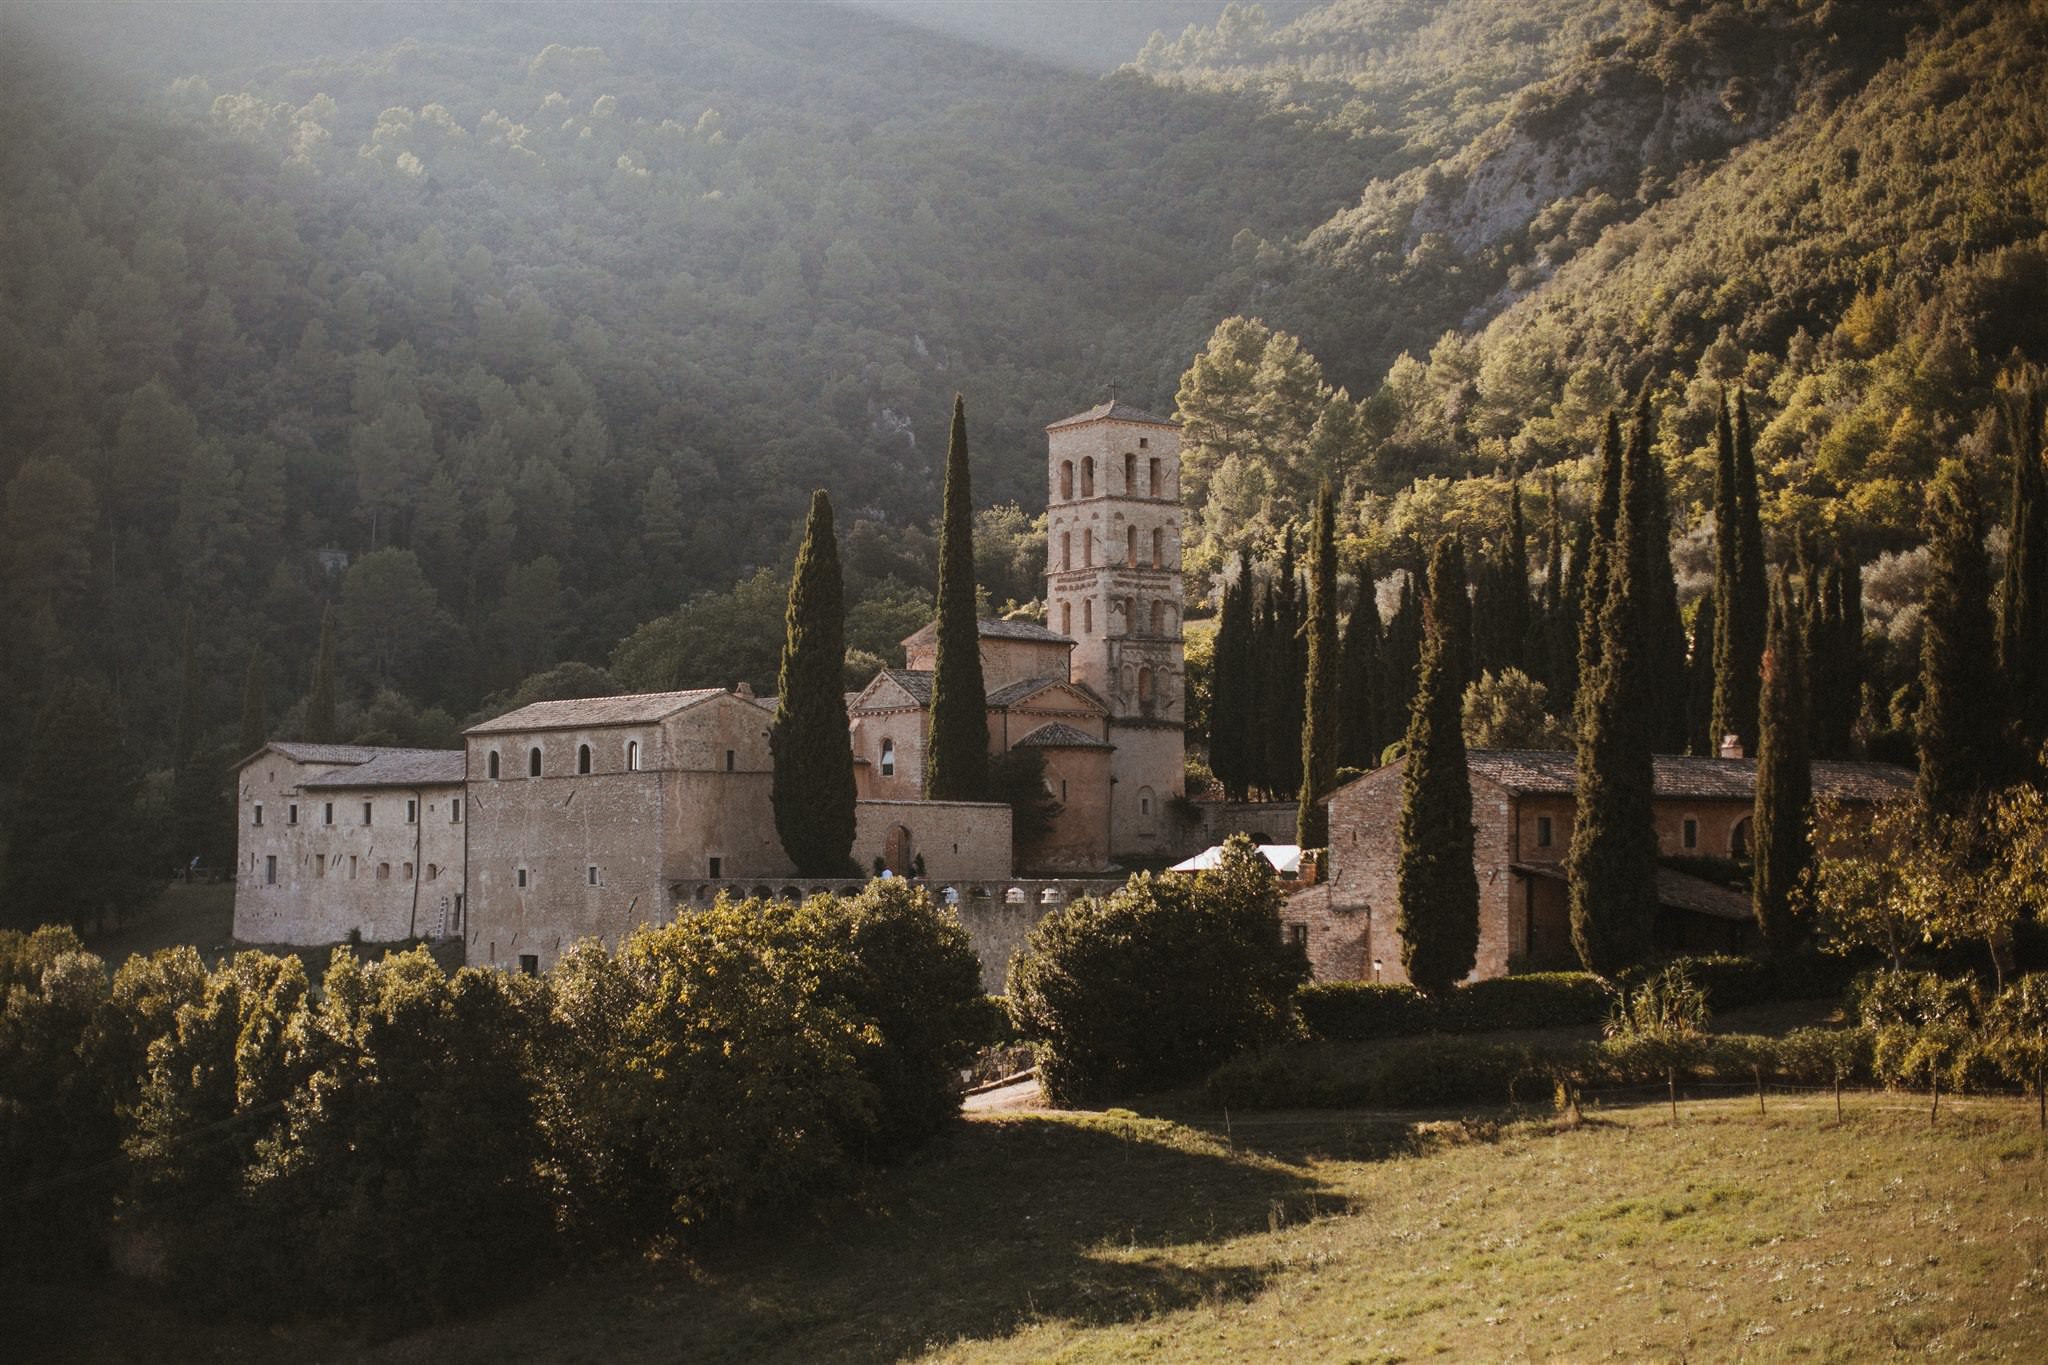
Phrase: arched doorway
(897, 853)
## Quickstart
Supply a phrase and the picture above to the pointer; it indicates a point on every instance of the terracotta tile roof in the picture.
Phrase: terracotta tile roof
(1539, 772)
(1115, 412)
(1024, 689)
(994, 628)
(398, 768)
(1058, 736)
(579, 713)
(916, 681)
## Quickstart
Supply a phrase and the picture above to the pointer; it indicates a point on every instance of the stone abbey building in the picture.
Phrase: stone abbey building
(567, 819)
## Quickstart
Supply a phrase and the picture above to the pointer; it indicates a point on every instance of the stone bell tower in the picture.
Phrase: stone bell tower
(1113, 586)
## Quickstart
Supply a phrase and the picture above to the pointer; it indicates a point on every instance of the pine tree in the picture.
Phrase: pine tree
(1319, 707)
(2023, 618)
(1784, 780)
(956, 751)
(1613, 856)
(255, 722)
(321, 725)
(1960, 722)
(1438, 889)
(1231, 701)
(813, 788)
(1359, 741)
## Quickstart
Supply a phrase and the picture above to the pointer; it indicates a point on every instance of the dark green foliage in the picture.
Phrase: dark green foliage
(1833, 657)
(1358, 1011)
(1233, 710)
(321, 726)
(255, 730)
(2023, 606)
(1400, 662)
(1960, 722)
(956, 751)
(1664, 629)
(1699, 683)
(1728, 982)
(1613, 855)
(1016, 777)
(1596, 568)
(1359, 739)
(1740, 595)
(1781, 846)
(190, 719)
(813, 790)
(1438, 916)
(899, 960)
(77, 784)
(1319, 711)
(1283, 663)
(1158, 982)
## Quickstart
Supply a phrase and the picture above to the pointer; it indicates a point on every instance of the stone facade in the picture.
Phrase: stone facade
(340, 839)
(956, 839)
(1522, 806)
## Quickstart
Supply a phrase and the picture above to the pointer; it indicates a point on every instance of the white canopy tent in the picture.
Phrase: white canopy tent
(1284, 858)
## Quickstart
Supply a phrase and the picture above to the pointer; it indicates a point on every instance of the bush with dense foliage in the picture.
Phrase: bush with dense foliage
(409, 1141)
(1158, 982)
(1357, 1011)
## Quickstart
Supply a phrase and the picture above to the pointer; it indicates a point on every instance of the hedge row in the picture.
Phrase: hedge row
(1363, 1011)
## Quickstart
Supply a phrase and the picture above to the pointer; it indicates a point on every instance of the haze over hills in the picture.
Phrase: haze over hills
(547, 317)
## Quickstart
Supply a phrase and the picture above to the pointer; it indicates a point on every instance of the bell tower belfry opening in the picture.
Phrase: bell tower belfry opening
(1113, 585)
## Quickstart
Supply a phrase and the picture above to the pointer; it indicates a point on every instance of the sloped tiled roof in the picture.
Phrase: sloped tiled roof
(1675, 890)
(1115, 412)
(995, 628)
(916, 681)
(1538, 772)
(1024, 689)
(320, 753)
(398, 768)
(1058, 736)
(577, 713)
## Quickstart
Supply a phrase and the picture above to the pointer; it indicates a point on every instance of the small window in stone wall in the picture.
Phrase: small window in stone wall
(327, 813)
(591, 873)
(259, 814)
(319, 864)
(632, 755)
(383, 872)
(408, 872)
(533, 761)
(888, 758)
(291, 813)
(412, 812)
(270, 870)
(730, 758)
(1690, 833)
(351, 867)
(522, 878)
(583, 758)
(1297, 934)
(491, 763)
(366, 812)
(529, 964)
(1543, 833)
(455, 811)
(433, 872)
(716, 863)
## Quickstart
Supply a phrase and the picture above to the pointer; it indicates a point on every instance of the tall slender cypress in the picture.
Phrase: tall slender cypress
(1437, 887)
(1287, 663)
(813, 790)
(1359, 739)
(1784, 780)
(1752, 585)
(956, 752)
(1516, 630)
(1664, 627)
(1960, 722)
(1699, 682)
(2023, 617)
(321, 725)
(1231, 698)
(1613, 857)
(255, 720)
(1319, 702)
(1600, 551)
(1400, 659)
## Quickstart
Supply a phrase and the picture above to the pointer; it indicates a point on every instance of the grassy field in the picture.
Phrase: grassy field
(1325, 1237)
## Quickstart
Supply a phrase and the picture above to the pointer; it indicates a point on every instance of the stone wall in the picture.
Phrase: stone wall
(314, 871)
(958, 839)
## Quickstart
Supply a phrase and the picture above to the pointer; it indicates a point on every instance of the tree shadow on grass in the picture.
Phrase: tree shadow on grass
(1001, 1223)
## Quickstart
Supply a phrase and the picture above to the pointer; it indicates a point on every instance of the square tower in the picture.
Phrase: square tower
(1113, 585)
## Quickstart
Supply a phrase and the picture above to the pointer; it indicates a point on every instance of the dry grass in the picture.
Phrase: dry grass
(1312, 1237)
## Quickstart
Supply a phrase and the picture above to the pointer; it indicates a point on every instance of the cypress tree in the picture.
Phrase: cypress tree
(321, 726)
(255, 722)
(813, 788)
(1358, 734)
(2023, 617)
(1571, 622)
(1600, 550)
(1516, 629)
(1290, 676)
(1400, 660)
(956, 750)
(1438, 916)
(1699, 682)
(1752, 588)
(1664, 627)
(1960, 721)
(1613, 856)
(1729, 674)
(1319, 703)
(1231, 699)
(1551, 652)
(1784, 780)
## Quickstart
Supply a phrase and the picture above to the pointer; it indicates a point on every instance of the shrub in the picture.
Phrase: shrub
(1726, 981)
(1411, 1071)
(1158, 982)
(1356, 1011)
(1534, 1000)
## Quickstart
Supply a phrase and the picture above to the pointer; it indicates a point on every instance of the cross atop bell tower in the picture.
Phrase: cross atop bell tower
(1113, 585)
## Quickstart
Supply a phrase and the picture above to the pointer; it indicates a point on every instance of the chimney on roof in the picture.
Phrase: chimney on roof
(746, 689)
(1731, 746)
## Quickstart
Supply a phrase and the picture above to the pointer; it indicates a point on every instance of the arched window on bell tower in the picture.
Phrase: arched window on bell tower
(1130, 547)
(1088, 477)
(1067, 479)
(1130, 474)
(1158, 547)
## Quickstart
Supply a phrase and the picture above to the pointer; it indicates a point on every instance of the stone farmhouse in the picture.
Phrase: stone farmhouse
(566, 819)
(1522, 806)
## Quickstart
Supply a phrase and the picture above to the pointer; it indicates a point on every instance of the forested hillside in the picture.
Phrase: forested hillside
(517, 336)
